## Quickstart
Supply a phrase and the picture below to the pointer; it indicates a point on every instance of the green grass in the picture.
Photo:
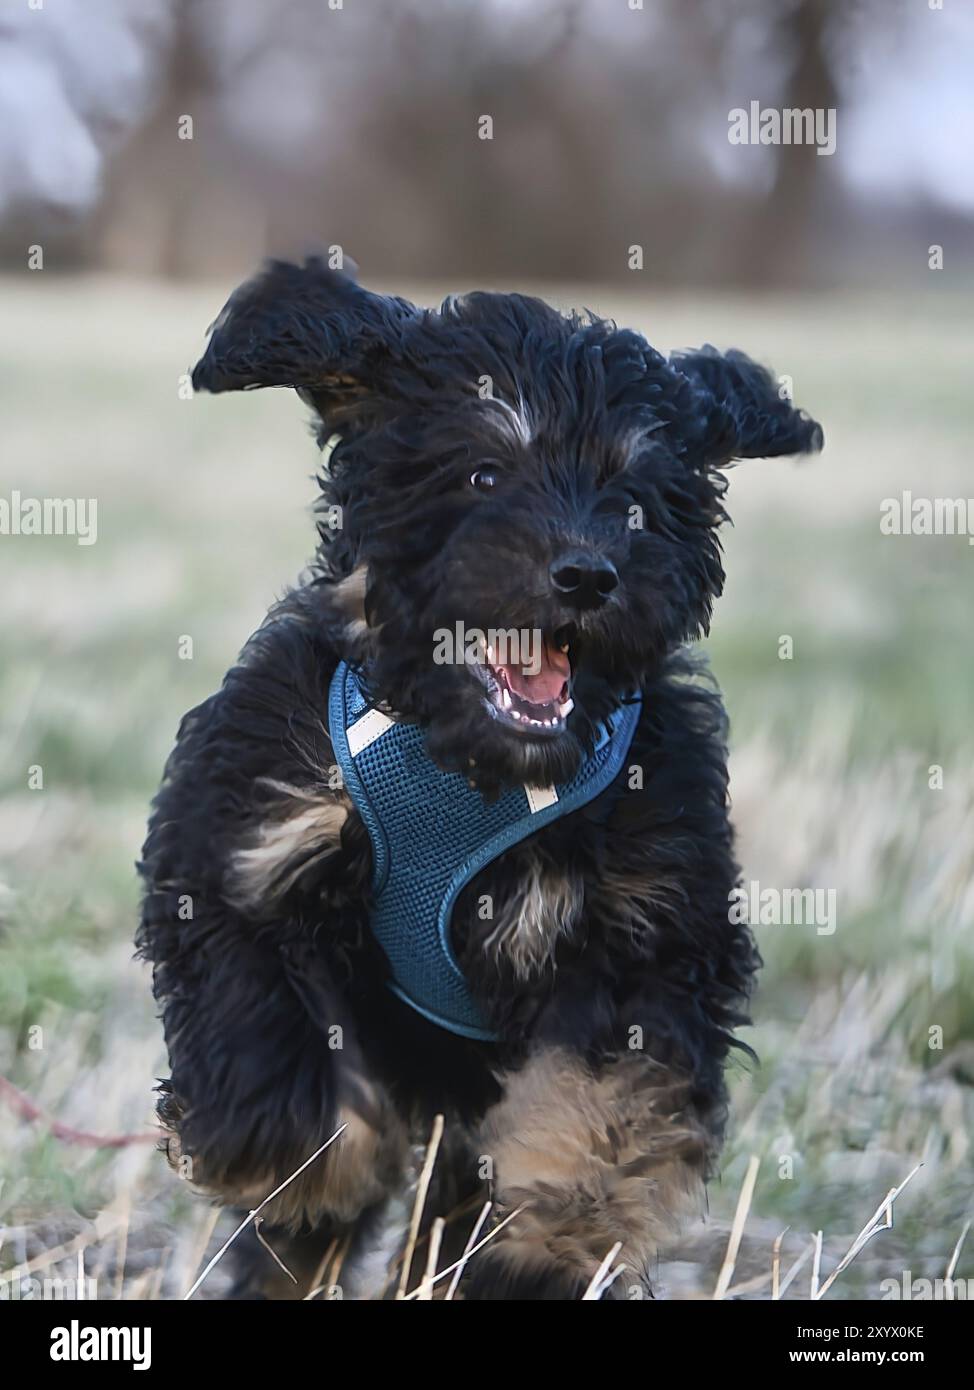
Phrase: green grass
(203, 519)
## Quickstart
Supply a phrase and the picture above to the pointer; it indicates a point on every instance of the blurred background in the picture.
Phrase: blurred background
(357, 123)
(151, 152)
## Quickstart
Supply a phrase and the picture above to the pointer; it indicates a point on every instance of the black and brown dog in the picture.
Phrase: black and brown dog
(497, 465)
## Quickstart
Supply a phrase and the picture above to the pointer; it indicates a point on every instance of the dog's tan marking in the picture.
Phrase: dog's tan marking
(303, 826)
(364, 1166)
(529, 923)
(625, 900)
(361, 1168)
(348, 599)
(595, 1158)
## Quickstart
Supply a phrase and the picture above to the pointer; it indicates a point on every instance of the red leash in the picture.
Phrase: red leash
(27, 1110)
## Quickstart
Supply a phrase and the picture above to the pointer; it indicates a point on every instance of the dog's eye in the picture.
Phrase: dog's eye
(483, 479)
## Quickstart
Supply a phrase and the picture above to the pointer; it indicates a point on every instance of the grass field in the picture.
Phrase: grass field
(203, 519)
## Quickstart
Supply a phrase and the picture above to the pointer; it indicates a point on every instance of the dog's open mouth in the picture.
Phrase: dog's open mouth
(532, 696)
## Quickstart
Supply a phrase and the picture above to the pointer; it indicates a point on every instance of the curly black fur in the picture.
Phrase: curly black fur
(584, 427)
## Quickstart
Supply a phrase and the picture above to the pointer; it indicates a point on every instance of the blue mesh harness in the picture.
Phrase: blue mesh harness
(431, 832)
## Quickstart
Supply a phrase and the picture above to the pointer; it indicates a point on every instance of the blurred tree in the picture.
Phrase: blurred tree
(360, 126)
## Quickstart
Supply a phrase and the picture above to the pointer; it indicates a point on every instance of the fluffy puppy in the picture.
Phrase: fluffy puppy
(492, 466)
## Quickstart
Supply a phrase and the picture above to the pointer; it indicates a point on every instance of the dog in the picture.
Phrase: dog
(386, 881)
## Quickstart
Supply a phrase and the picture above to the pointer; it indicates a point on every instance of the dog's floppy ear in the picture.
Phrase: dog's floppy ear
(736, 410)
(310, 328)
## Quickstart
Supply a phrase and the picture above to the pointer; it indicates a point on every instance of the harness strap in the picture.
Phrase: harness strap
(431, 833)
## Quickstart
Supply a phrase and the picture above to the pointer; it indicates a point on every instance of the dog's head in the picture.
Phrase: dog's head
(519, 509)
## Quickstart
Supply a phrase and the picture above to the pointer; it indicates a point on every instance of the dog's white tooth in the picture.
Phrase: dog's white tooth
(506, 701)
(566, 709)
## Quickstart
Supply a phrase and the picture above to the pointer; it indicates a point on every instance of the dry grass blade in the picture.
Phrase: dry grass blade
(200, 1246)
(326, 1275)
(319, 1283)
(473, 1250)
(758, 1281)
(139, 1288)
(607, 1283)
(121, 1249)
(271, 1251)
(425, 1290)
(154, 1290)
(816, 1264)
(957, 1249)
(104, 1226)
(737, 1229)
(395, 1265)
(335, 1268)
(471, 1242)
(421, 1189)
(594, 1290)
(872, 1228)
(795, 1270)
(776, 1265)
(252, 1216)
(748, 1285)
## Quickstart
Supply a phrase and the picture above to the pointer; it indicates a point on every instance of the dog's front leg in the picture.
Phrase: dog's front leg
(592, 1156)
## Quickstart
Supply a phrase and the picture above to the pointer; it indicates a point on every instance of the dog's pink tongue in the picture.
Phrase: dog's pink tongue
(547, 684)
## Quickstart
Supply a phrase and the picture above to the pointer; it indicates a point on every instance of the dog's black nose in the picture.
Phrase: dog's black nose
(582, 579)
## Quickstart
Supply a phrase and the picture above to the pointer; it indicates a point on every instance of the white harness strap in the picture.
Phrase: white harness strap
(366, 730)
(540, 797)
